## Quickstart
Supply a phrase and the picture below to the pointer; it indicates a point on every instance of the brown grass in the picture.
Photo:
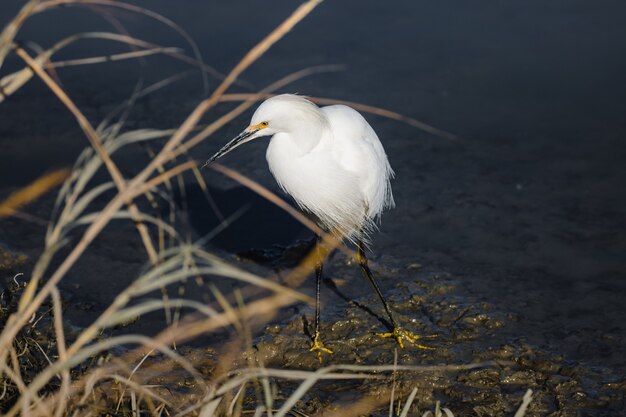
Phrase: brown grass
(32, 191)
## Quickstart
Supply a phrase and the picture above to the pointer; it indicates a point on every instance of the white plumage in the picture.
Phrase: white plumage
(328, 159)
(332, 163)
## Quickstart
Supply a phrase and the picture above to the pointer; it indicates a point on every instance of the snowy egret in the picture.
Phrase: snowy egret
(332, 163)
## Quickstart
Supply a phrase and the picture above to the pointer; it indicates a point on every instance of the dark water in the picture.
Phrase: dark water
(525, 211)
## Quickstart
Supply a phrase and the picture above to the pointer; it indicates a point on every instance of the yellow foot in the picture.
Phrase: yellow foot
(318, 346)
(400, 335)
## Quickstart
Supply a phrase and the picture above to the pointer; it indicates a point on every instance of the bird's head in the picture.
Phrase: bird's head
(286, 113)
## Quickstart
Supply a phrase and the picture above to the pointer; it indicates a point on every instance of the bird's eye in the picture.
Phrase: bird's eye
(264, 124)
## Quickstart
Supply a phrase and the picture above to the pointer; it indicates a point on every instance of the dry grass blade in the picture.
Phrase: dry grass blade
(96, 142)
(268, 195)
(10, 31)
(82, 203)
(137, 388)
(390, 115)
(75, 358)
(368, 403)
(113, 128)
(252, 98)
(156, 278)
(32, 191)
(393, 382)
(180, 332)
(131, 313)
(60, 337)
(318, 69)
(409, 402)
(419, 368)
(209, 409)
(262, 47)
(44, 5)
(254, 54)
(361, 407)
(330, 240)
(9, 84)
(180, 275)
(237, 379)
(191, 328)
(30, 218)
(166, 175)
(110, 58)
(528, 397)
(122, 214)
(358, 106)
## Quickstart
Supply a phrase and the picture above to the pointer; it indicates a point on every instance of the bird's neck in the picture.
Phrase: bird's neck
(303, 140)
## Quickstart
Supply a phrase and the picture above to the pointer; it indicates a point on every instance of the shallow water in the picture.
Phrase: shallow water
(522, 217)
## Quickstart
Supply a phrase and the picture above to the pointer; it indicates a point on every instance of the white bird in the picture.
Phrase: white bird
(332, 163)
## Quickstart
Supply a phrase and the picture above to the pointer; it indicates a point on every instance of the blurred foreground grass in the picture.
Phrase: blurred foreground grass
(45, 370)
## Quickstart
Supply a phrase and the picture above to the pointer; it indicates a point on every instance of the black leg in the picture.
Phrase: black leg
(318, 281)
(397, 333)
(362, 259)
(317, 343)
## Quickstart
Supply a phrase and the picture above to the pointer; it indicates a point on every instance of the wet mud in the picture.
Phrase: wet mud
(457, 329)
(464, 331)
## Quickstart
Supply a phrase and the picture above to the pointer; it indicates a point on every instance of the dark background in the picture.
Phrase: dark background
(527, 208)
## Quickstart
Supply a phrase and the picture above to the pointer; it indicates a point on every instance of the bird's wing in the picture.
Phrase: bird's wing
(357, 148)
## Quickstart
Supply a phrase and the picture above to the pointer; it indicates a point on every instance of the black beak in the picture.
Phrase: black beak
(240, 139)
